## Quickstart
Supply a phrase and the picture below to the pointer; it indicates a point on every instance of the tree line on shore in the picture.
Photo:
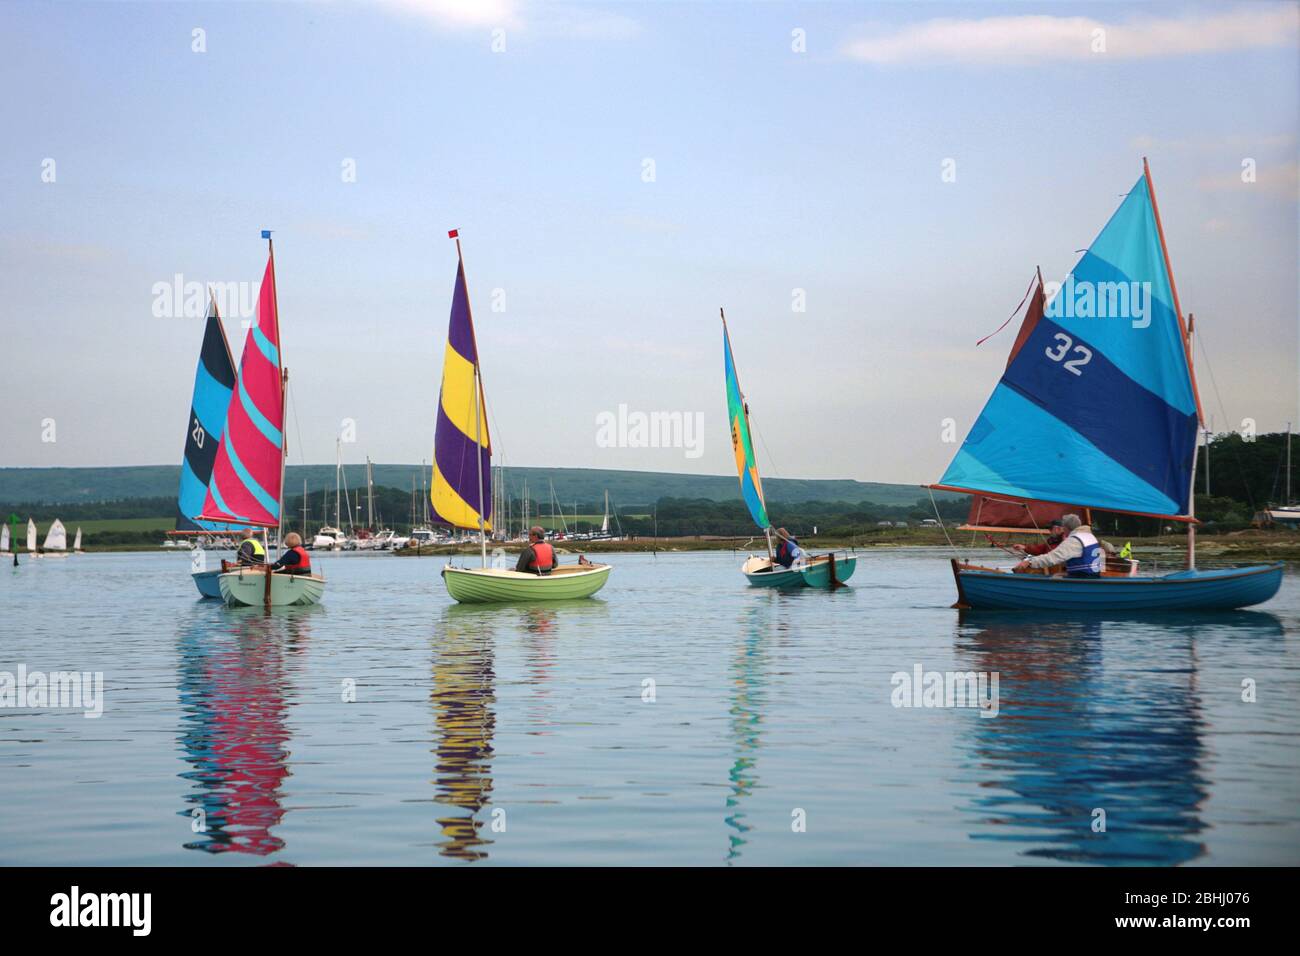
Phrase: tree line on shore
(1245, 477)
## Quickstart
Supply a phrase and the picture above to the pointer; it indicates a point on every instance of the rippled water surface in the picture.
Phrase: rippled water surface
(679, 718)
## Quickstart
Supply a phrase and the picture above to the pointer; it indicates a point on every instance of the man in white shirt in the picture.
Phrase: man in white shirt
(1083, 555)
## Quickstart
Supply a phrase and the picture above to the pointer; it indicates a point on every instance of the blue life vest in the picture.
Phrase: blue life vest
(1091, 561)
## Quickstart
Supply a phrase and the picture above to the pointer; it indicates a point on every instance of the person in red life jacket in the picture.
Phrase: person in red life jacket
(295, 559)
(1056, 534)
(539, 557)
(787, 548)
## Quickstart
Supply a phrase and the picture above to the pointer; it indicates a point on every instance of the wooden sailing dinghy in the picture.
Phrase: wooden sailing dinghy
(817, 571)
(1101, 410)
(461, 490)
(246, 485)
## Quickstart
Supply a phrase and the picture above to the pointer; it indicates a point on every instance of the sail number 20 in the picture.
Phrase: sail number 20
(1064, 347)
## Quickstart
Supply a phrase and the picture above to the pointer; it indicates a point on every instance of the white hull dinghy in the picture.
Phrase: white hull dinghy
(248, 587)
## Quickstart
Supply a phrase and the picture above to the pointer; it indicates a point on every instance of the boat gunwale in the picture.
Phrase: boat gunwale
(1224, 574)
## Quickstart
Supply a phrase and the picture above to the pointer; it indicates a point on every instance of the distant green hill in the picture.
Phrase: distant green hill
(628, 490)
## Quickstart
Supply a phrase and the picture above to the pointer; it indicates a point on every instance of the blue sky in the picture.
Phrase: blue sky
(775, 170)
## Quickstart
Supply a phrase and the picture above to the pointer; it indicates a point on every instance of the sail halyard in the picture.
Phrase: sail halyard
(1095, 408)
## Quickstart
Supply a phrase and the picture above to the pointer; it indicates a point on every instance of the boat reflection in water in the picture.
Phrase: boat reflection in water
(1076, 734)
(463, 694)
(745, 710)
(234, 685)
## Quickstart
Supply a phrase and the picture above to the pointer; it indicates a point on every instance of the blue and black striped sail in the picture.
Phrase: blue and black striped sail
(1097, 405)
(214, 380)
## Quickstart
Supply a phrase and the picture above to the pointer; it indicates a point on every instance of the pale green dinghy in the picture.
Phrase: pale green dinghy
(461, 490)
(825, 571)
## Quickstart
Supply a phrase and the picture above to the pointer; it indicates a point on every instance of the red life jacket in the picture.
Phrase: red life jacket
(304, 562)
(543, 557)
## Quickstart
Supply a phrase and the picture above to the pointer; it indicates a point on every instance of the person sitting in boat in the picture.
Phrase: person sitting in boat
(295, 559)
(251, 551)
(539, 557)
(787, 548)
(1081, 553)
(1055, 535)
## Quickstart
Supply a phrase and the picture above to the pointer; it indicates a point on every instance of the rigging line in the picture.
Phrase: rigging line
(1241, 471)
(776, 472)
(1014, 313)
(935, 505)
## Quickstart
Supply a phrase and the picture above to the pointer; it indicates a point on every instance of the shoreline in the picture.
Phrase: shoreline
(1246, 545)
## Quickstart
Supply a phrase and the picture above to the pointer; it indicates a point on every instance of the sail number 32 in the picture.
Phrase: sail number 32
(1065, 345)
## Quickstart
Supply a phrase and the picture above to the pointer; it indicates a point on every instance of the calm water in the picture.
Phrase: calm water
(521, 735)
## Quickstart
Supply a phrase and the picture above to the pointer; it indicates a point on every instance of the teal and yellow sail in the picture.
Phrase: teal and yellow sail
(751, 486)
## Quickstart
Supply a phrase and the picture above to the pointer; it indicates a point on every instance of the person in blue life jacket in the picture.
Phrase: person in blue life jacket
(1082, 553)
(787, 548)
(295, 559)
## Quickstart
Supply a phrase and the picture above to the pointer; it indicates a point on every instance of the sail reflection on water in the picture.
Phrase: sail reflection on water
(234, 689)
(1075, 737)
(463, 694)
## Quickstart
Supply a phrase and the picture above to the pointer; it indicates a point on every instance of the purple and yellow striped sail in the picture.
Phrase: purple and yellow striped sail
(461, 490)
(1097, 405)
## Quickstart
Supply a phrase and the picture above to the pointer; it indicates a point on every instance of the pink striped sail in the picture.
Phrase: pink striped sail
(245, 482)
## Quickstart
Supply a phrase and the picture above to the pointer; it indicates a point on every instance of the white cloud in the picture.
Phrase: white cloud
(460, 13)
(583, 21)
(1041, 38)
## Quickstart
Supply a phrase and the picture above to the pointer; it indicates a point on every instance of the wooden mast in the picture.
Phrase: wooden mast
(1186, 329)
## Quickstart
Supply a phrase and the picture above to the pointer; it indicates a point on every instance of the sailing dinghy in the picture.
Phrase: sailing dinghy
(76, 543)
(31, 539)
(1101, 410)
(4, 539)
(461, 491)
(56, 541)
(818, 571)
(247, 480)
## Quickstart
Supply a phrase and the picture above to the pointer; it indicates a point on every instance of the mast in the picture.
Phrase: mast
(1187, 329)
(767, 532)
(478, 408)
(304, 510)
(1288, 463)
(284, 388)
(1191, 498)
(370, 495)
(338, 467)
(1208, 431)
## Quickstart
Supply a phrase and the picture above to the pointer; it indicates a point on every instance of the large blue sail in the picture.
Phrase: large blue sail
(1097, 405)
(214, 380)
